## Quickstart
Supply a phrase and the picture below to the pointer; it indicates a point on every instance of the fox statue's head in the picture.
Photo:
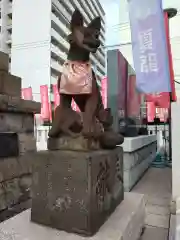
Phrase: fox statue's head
(83, 40)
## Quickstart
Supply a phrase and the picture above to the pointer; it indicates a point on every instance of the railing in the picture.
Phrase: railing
(57, 36)
(41, 135)
(60, 24)
(9, 37)
(10, 8)
(55, 65)
(58, 52)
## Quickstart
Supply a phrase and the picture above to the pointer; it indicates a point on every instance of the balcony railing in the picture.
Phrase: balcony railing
(87, 5)
(9, 37)
(56, 66)
(9, 8)
(61, 55)
(9, 24)
(62, 10)
(57, 21)
(59, 39)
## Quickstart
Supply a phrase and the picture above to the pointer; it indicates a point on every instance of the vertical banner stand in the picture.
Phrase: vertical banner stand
(170, 13)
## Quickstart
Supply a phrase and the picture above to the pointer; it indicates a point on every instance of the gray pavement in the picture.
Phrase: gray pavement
(157, 187)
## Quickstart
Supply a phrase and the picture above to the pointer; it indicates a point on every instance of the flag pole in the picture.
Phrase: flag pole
(168, 14)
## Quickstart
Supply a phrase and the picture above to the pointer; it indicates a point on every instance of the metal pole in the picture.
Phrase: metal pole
(170, 13)
(126, 92)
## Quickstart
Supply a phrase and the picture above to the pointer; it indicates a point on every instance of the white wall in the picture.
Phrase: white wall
(30, 55)
(176, 150)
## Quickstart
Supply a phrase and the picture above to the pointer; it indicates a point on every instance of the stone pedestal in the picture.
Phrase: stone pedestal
(17, 141)
(125, 223)
(139, 152)
(76, 191)
(69, 143)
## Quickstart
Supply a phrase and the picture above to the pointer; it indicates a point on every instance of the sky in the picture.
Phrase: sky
(117, 25)
(117, 13)
(112, 10)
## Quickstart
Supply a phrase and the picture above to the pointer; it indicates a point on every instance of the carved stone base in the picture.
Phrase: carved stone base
(76, 191)
(69, 143)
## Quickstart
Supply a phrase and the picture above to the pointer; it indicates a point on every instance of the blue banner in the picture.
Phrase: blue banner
(149, 46)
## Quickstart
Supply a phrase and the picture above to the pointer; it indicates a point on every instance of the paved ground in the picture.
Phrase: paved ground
(156, 185)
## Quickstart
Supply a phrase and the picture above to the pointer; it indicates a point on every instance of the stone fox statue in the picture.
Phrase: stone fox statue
(78, 81)
(83, 87)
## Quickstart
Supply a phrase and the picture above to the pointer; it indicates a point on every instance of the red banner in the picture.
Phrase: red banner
(104, 91)
(161, 114)
(26, 93)
(134, 98)
(56, 95)
(161, 100)
(45, 109)
(151, 111)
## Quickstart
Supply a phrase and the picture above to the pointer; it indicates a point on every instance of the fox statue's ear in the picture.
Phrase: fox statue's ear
(76, 20)
(95, 23)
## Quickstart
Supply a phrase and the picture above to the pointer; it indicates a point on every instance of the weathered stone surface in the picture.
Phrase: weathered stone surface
(9, 168)
(173, 207)
(15, 104)
(15, 191)
(131, 159)
(25, 162)
(4, 61)
(9, 145)
(69, 143)
(12, 191)
(10, 84)
(25, 183)
(15, 167)
(14, 210)
(27, 143)
(76, 191)
(155, 233)
(136, 163)
(17, 122)
(125, 223)
(3, 203)
(157, 220)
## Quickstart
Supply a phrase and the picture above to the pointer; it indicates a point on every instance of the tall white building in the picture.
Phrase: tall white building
(39, 32)
(6, 25)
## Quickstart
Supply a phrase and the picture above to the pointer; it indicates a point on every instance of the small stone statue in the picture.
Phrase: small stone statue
(78, 81)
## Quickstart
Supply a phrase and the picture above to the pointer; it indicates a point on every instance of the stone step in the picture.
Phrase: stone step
(10, 84)
(14, 210)
(4, 61)
(125, 223)
(155, 233)
(15, 104)
(17, 122)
